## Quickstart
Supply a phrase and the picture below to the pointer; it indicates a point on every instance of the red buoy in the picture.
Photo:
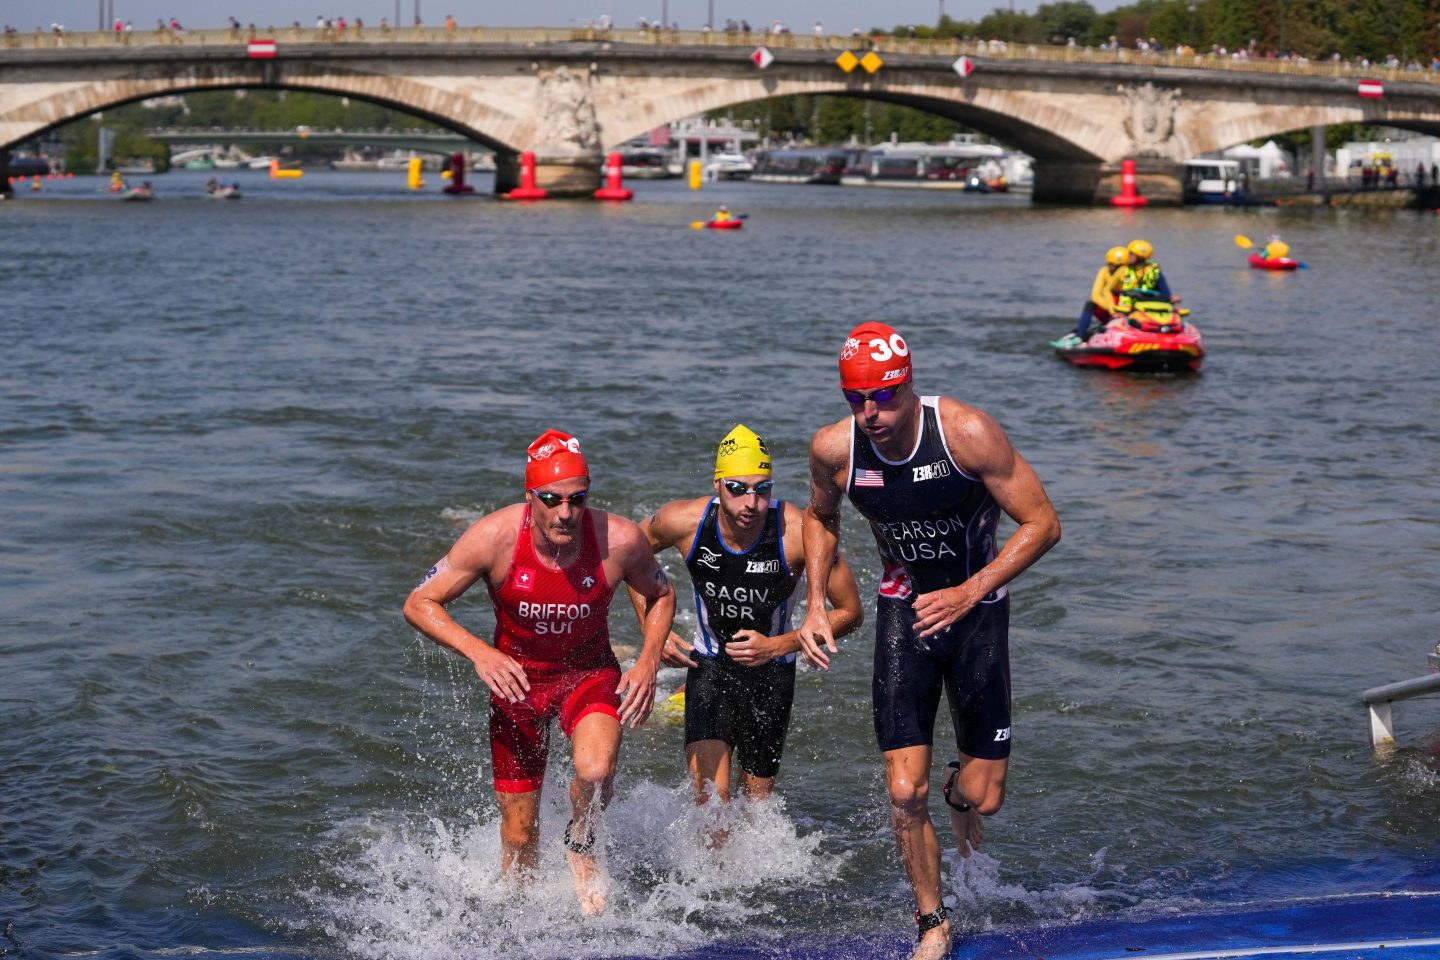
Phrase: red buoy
(457, 184)
(613, 171)
(527, 189)
(1128, 197)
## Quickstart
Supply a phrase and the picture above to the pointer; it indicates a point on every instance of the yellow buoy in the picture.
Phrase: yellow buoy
(697, 175)
(414, 181)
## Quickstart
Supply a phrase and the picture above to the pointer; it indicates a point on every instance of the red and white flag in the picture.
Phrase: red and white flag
(1373, 89)
(869, 478)
(762, 57)
(261, 49)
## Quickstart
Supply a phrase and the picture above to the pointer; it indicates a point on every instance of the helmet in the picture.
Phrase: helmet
(1141, 249)
(1117, 256)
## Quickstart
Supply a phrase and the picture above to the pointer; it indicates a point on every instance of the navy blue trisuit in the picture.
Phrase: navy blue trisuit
(746, 707)
(935, 527)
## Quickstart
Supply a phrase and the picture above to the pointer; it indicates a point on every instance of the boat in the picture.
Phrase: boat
(216, 190)
(645, 163)
(258, 163)
(729, 165)
(734, 224)
(1260, 262)
(885, 167)
(142, 192)
(1212, 181)
(801, 165)
(1153, 338)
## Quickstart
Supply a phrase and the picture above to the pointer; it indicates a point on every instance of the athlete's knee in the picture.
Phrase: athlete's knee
(594, 769)
(991, 796)
(991, 805)
(908, 797)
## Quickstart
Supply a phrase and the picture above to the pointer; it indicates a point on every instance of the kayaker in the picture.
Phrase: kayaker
(722, 215)
(1275, 248)
(1102, 300)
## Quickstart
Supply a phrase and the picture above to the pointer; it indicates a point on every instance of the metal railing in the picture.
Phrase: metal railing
(1378, 699)
(663, 38)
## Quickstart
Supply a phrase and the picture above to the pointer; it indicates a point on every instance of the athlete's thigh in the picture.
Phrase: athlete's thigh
(519, 745)
(595, 744)
(709, 703)
(907, 682)
(977, 684)
(764, 718)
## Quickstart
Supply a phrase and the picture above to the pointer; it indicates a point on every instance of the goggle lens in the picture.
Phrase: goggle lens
(553, 500)
(857, 399)
(738, 489)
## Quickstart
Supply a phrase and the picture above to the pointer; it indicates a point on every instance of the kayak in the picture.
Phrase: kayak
(724, 224)
(1153, 338)
(1259, 262)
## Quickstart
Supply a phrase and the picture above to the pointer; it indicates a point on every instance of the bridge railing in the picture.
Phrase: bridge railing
(993, 50)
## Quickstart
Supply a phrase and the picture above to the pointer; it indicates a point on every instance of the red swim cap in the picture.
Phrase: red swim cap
(553, 456)
(874, 355)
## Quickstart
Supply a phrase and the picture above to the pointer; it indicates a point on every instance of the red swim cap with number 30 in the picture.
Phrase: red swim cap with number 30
(874, 356)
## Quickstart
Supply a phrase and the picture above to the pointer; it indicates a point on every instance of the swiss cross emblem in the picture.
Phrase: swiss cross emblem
(525, 579)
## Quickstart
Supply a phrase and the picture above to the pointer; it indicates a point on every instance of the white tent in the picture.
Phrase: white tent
(1264, 163)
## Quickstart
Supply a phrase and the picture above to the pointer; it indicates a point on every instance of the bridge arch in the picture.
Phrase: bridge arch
(488, 125)
(1018, 119)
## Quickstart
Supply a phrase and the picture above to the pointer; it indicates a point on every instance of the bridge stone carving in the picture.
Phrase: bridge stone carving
(570, 101)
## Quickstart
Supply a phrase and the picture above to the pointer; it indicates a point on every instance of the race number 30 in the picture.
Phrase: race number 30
(883, 349)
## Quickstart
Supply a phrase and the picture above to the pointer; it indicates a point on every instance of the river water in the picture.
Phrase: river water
(235, 434)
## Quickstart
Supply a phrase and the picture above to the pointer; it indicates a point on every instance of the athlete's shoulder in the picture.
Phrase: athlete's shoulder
(831, 443)
(674, 522)
(489, 537)
(621, 534)
(975, 439)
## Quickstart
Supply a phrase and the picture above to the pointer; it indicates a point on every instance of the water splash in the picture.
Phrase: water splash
(434, 890)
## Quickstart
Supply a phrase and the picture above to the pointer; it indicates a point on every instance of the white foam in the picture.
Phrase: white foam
(434, 890)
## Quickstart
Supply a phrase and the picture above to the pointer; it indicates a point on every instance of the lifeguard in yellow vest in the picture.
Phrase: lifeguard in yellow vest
(1141, 273)
(1102, 300)
(722, 215)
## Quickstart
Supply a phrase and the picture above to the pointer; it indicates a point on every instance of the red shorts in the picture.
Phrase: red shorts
(520, 732)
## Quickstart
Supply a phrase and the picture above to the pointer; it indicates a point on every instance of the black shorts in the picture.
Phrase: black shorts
(971, 660)
(746, 707)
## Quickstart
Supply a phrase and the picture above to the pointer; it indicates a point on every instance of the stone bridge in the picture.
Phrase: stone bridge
(572, 95)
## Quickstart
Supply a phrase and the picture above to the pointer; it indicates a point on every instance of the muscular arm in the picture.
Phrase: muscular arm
(673, 525)
(828, 455)
(643, 575)
(752, 648)
(988, 455)
(472, 557)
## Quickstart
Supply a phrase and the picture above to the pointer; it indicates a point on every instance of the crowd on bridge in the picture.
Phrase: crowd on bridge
(340, 28)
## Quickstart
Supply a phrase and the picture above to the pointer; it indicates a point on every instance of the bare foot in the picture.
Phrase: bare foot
(590, 882)
(934, 944)
(969, 829)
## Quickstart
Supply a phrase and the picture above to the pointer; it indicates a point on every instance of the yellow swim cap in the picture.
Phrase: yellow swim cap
(741, 454)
